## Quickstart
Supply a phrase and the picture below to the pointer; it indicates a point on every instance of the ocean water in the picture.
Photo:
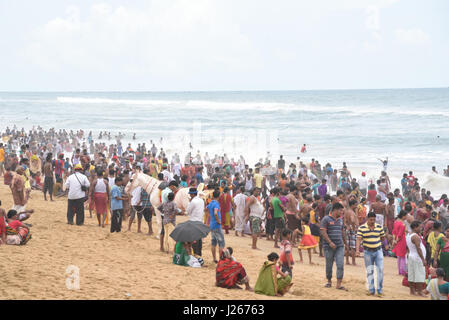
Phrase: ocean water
(409, 126)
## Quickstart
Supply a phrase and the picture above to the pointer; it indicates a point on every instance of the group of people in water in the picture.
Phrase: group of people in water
(319, 209)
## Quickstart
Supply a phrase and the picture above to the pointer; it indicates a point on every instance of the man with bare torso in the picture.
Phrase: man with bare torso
(380, 209)
(351, 226)
(48, 180)
(292, 204)
(306, 207)
(254, 213)
(342, 198)
(293, 218)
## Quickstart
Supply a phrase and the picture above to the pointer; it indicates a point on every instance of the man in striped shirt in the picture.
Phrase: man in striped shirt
(334, 244)
(371, 235)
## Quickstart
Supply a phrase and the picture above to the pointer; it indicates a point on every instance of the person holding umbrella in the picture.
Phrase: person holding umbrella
(185, 234)
(195, 211)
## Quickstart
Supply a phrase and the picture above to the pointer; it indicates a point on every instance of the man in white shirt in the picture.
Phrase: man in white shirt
(75, 183)
(172, 187)
(135, 208)
(195, 211)
(363, 184)
(240, 203)
(167, 174)
(311, 175)
(177, 169)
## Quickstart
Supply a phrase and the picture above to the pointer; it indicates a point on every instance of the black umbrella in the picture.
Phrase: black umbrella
(190, 231)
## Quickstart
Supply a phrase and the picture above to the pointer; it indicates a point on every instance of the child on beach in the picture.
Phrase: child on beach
(286, 256)
(117, 205)
(169, 211)
(308, 241)
(37, 183)
(315, 225)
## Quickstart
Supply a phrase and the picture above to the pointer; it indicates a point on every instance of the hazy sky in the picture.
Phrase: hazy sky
(169, 45)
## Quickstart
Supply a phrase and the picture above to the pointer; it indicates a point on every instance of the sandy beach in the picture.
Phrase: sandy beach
(129, 265)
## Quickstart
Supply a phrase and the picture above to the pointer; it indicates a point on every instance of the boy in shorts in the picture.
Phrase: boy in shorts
(217, 236)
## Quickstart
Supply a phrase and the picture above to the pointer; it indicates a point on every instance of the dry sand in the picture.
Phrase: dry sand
(129, 265)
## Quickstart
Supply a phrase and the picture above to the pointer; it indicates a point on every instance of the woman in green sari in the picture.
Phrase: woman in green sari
(268, 283)
(443, 251)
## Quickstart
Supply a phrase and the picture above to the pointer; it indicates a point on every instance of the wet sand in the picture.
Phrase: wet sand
(129, 265)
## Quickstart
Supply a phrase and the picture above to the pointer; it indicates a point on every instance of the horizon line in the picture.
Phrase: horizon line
(201, 91)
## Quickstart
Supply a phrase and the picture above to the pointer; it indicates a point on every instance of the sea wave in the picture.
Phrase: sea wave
(355, 111)
(78, 100)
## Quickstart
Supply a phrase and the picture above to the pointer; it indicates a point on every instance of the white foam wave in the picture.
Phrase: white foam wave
(266, 106)
(355, 111)
(114, 101)
(438, 184)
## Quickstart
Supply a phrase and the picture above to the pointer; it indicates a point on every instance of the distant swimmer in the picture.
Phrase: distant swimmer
(303, 149)
(434, 170)
(384, 162)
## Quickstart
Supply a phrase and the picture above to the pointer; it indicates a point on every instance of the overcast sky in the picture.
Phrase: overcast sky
(183, 45)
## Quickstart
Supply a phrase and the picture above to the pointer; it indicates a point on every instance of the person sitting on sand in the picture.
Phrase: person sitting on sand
(438, 287)
(230, 273)
(268, 283)
(58, 190)
(182, 255)
(17, 232)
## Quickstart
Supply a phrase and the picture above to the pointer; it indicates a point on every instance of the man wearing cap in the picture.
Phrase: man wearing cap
(363, 184)
(195, 211)
(75, 184)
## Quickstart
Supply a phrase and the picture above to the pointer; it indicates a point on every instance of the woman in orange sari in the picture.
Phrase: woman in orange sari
(226, 203)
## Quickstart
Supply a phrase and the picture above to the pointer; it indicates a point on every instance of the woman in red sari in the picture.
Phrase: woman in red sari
(399, 242)
(231, 273)
(226, 203)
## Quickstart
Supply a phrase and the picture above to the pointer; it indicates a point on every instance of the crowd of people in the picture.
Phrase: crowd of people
(323, 210)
